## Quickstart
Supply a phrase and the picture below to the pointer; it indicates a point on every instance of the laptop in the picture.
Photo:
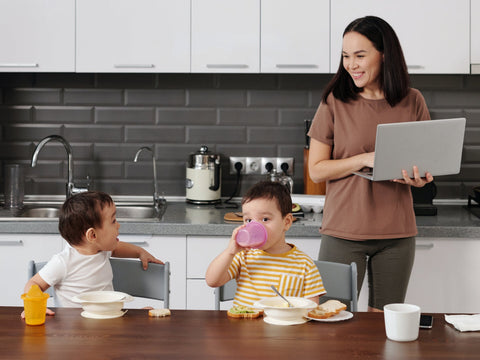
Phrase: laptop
(432, 145)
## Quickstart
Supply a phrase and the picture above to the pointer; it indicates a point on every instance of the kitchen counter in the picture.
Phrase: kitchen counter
(181, 218)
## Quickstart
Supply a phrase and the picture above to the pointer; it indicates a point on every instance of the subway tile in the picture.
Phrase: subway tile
(471, 154)
(295, 117)
(240, 116)
(94, 133)
(279, 98)
(48, 169)
(303, 81)
(29, 132)
(45, 186)
(472, 82)
(63, 114)
(64, 80)
(473, 117)
(185, 81)
(437, 114)
(246, 81)
(16, 151)
(275, 135)
(16, 114)
(13, 80)
(166, 171)
(179, 152)
(98, 169)
(472, 136)
(116, 115)
(435, 82)
(315, 98)
(116, 151)
(125, 81)
(155, 134)
(32, 96)
(92, 97)
(186, 116)
(216, 134)
(207, 97)
(253, 150)
(458, 99)
(171, 97)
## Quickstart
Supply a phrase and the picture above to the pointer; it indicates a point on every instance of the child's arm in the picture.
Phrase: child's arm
(217, 272)
(126, 250)
(36, 280)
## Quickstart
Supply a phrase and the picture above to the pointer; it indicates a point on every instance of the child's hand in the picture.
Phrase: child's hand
(145, 257)
(233, 247)
(48, 312)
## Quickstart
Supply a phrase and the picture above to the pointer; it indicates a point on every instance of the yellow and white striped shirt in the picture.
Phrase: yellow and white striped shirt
(293, 273)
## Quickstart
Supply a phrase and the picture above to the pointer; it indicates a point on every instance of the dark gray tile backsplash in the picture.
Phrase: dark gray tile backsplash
(107, 117)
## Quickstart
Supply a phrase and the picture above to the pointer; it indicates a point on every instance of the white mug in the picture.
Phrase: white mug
(402, 321)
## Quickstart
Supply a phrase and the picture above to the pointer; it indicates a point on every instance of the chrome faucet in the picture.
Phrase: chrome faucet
(71, 189)
(159, 202)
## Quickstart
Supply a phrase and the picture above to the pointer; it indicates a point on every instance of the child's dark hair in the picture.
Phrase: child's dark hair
(270, 190)
(81, 212)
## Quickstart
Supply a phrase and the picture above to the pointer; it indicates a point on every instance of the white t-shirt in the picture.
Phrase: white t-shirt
(71, 273)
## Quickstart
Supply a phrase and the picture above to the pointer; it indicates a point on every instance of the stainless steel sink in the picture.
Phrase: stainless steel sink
(124, 212)
(40, 212)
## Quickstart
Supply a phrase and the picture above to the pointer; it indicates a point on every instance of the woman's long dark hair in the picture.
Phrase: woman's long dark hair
(394, 79)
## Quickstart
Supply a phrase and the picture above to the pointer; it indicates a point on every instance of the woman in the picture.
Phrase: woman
(370, 223)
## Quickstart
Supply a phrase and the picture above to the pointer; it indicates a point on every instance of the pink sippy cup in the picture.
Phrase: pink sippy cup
(253, 235)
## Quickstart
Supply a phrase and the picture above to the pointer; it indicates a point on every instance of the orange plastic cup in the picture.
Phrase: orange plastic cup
(35, 305)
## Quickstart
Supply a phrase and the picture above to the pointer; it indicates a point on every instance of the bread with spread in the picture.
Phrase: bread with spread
(243, 312)
(327, 309)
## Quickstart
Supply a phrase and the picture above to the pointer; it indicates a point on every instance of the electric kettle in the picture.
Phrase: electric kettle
(203, 177)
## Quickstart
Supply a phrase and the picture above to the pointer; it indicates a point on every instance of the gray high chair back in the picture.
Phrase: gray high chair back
(340, 281)
(129, 277)
(225, 293)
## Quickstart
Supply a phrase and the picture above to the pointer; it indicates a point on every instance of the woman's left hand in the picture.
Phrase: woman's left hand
(416, 181)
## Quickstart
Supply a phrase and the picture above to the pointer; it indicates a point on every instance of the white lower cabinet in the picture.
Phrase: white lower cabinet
(202, 250)
(444, 276)
(165, 248)
(15, 252)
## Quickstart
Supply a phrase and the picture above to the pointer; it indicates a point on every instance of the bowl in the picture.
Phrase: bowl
(276, 310)
(102, 302)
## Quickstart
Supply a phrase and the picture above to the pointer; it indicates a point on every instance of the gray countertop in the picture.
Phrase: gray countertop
(452, 221)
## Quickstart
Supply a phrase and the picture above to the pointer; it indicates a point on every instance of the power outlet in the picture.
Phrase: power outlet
(241, 160)
(253, 165)
(287, 163)
(265, 164)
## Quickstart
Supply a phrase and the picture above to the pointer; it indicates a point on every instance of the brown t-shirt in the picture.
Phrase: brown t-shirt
(357, 208)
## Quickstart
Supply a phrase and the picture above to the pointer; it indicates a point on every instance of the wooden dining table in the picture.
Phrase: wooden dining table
(204, 334)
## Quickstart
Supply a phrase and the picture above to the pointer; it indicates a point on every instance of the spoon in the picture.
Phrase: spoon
(278, 293)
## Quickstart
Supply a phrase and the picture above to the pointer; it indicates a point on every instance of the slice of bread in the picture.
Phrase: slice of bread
(159, 312)
(243, 312)
(327, 309)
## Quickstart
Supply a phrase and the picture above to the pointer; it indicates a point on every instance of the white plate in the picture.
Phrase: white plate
(273, 321)
(102, 316)
(342, 315)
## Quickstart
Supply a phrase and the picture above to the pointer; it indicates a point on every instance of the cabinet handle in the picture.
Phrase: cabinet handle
(11, 243)
(227, 66)
(19, 65)
(296, 66)
(415, 67)
(138, 243)
(424, 246)
(133, 66)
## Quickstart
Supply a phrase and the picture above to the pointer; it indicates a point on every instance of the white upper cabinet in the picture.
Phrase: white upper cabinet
(475, 32)
(133, 36)
(435, 35)
(37, 35)
(226, 36)
(295, 36)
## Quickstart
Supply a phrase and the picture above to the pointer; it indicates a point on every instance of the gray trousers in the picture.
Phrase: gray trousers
(389, 262)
